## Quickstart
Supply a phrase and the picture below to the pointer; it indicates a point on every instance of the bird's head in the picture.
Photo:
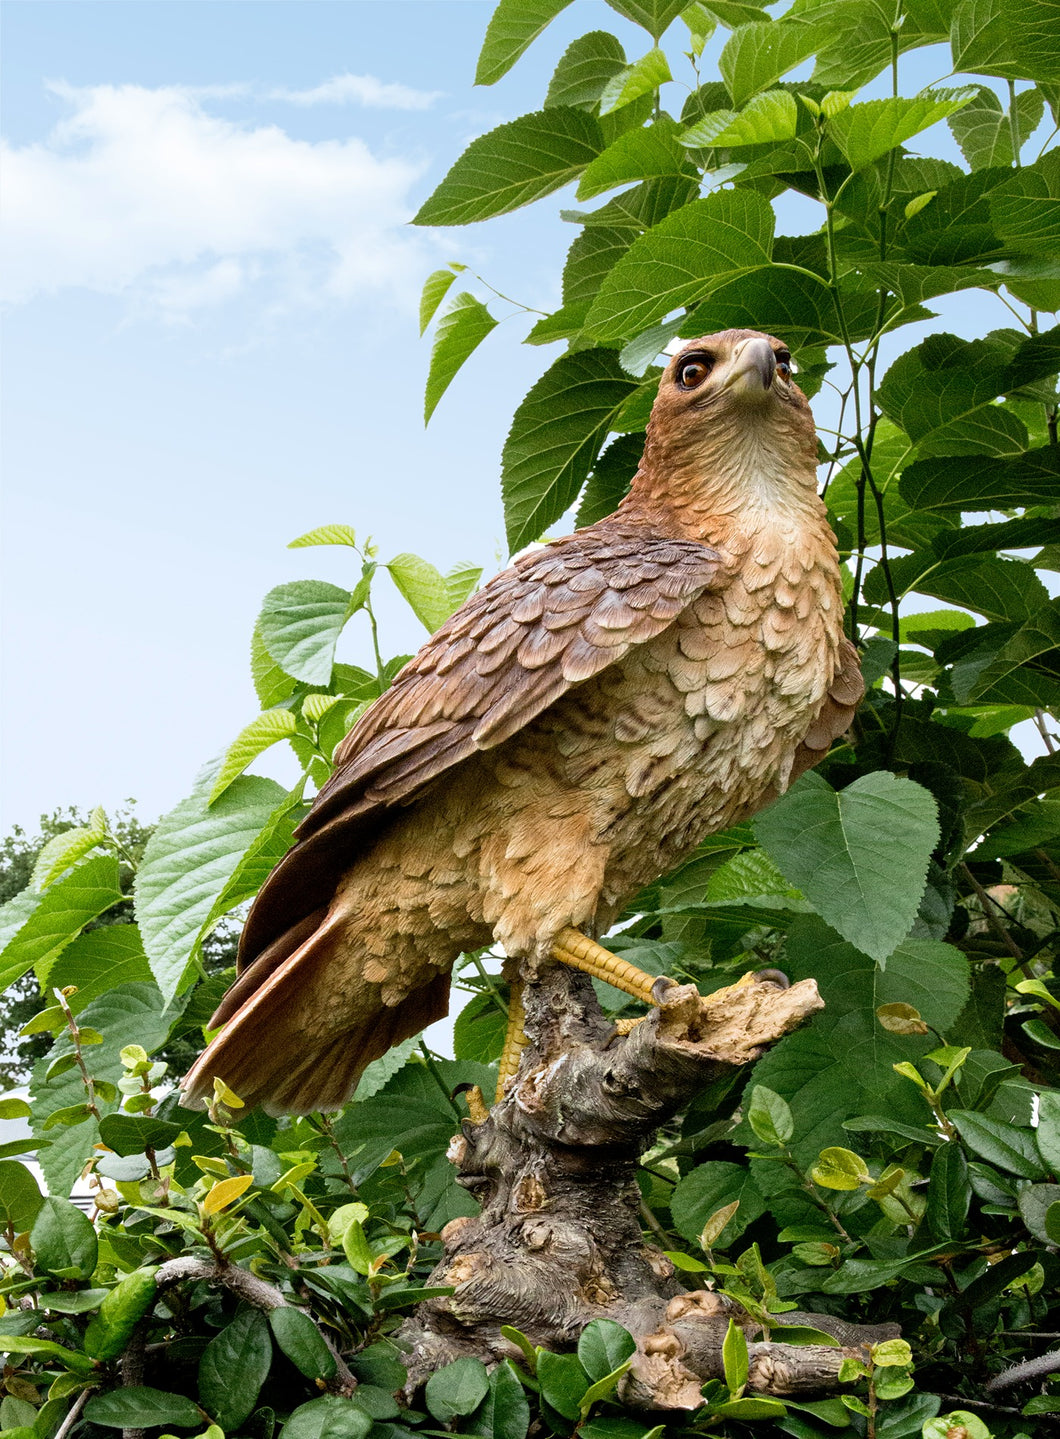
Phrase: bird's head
(729, 416)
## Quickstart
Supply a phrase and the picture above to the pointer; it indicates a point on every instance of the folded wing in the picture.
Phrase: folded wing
(556, 618)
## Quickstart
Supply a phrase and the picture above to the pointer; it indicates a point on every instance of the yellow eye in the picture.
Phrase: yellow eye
(693, 373)
(784, 366)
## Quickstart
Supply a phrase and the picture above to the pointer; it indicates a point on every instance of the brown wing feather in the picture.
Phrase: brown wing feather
(554, 619)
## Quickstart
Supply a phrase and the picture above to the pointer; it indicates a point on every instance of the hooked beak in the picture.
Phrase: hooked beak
(753, 368)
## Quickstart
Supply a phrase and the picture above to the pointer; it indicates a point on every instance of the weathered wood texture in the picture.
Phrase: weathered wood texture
(559, 1240)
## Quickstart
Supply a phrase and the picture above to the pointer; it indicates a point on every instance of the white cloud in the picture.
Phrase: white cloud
(360, 90)
(144, 192)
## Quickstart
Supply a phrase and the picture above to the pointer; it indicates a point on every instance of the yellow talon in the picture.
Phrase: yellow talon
(581, 952)
(515, 1040)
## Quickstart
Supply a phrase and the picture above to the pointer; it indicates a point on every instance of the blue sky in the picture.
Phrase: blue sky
(211, 347)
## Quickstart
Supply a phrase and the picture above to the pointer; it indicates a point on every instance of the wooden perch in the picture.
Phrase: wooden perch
(558, 1242)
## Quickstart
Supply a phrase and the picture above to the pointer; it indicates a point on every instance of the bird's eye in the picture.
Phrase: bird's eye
(694, 371)
(784, 364)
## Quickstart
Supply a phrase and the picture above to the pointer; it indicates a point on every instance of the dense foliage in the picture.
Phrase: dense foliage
(899, 1158)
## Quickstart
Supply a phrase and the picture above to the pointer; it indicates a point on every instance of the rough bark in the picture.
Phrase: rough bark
(559, 1243)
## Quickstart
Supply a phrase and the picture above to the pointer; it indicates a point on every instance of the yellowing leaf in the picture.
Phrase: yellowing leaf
(901, 1019)
(717, 1222)
(226, 1096)
(839, 1168)
(226, 1192)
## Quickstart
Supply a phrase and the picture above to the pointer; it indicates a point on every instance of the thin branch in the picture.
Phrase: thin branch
(992, 920)
(255, 1291)
(74, 1414)
(1029, 1369)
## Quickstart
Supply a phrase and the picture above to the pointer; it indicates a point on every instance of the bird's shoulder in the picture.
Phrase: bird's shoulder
(554, 618)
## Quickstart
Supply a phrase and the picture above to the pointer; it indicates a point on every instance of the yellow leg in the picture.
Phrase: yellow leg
(582, 953)
(515, 1038)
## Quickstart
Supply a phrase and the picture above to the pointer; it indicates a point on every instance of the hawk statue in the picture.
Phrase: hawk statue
(575, 729)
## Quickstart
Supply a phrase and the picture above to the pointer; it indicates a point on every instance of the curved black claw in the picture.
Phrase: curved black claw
(660, 987)
(774, 976)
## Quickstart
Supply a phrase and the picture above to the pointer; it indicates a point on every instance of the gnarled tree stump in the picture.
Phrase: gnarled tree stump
(559, 1241)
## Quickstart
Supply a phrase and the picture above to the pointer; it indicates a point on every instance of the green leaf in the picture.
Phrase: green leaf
(983, 129)
(329, 1418)
(751, 877)
(584, 69)
(233, 1367)
(1048, 1131)
(943, 392)
(710, 1187)
(435, 288)
(1002, 1145)
(1025, 209)
(563, 1382)
(513, 27)
(300, 624)
(734, 1358)
(514, 164)
(258, 736)
(973, 483)
(610, 478)
(456, 1389)
(459, 333)
(63, 911)
(67, 848)
(188, 862)
(424, 588)
(785, 302)
(479, 1030)
(134, 1134)
(769, 1116)
(1014, 39)
(852, 39)
(1035, 1201)
(603, 1346)
(757, 55)
(17, 1414)
(100, 960)
(640, 154)
(505, 1413)
(655, 16)
(330, 534)
(867, 132)
(46, 1349)
(14, 914)
(860, 856)
(459, 583)
(555, 437)
(138, 1407)
(681, 260)
(840, 1064)
(765, 119)
(63, 1240)
(302, 1342)
(643, 77)
(262, 855)
(20, 1196)
(272, 684)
